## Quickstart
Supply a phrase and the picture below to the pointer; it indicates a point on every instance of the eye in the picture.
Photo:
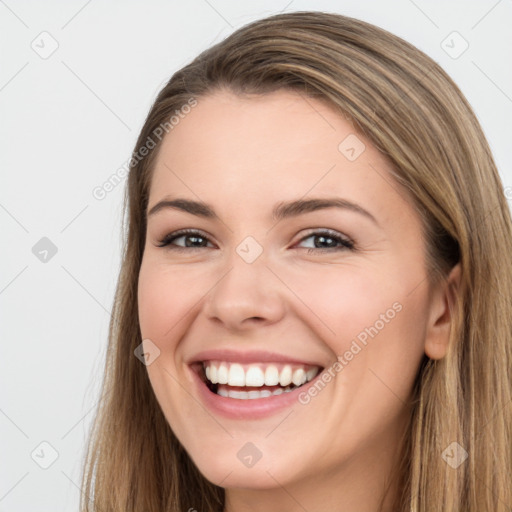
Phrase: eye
(327, 240)
(322, 240)
(189, 239)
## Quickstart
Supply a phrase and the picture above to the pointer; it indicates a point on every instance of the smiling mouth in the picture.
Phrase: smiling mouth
(255, 380)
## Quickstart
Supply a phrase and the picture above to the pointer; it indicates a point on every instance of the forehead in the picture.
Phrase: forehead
(247, 150)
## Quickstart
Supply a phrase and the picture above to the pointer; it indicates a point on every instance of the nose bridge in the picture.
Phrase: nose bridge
(247, 290)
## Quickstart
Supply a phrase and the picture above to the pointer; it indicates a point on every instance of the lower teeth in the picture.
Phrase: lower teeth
(248, 395)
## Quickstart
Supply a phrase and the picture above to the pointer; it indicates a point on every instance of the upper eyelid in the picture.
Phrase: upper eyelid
(173, 235)
(311, 232)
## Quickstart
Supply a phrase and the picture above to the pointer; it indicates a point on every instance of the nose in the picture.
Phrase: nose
(248, 295)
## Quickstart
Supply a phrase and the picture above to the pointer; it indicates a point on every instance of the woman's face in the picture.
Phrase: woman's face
(301, 287)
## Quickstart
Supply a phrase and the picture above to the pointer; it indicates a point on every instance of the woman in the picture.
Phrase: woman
(313, 311)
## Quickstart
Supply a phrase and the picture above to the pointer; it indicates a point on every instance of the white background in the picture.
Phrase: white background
(69, 121)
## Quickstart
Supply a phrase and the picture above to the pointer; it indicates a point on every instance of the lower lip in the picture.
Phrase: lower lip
(253, 408)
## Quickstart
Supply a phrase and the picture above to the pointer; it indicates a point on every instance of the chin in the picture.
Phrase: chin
(245, 467)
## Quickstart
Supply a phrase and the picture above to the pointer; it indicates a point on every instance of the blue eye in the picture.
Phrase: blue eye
(327, 240)
(192, 239)
(324, 240)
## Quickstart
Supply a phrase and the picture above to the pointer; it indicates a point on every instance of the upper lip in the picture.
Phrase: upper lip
(249, 356)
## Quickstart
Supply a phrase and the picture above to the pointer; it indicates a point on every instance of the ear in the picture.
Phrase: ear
(440, 320)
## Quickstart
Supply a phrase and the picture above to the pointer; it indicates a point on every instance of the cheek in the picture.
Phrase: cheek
(371, 319)
(375, 326)
(165, 297)
(167, 302)
(153, 301)
(349, 299)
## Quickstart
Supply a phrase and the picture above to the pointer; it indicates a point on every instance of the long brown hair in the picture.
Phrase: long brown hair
(415, 115)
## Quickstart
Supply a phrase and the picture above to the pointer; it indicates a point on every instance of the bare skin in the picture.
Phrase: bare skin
(243, 156)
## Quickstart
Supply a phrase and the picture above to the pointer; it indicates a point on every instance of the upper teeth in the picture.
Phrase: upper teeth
(260, 374)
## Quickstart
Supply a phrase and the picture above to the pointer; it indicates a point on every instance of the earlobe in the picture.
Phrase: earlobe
(441, 319)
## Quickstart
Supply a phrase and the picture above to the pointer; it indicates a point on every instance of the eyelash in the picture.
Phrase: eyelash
(346, 243)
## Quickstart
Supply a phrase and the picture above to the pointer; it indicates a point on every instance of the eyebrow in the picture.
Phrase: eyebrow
(281, 210)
